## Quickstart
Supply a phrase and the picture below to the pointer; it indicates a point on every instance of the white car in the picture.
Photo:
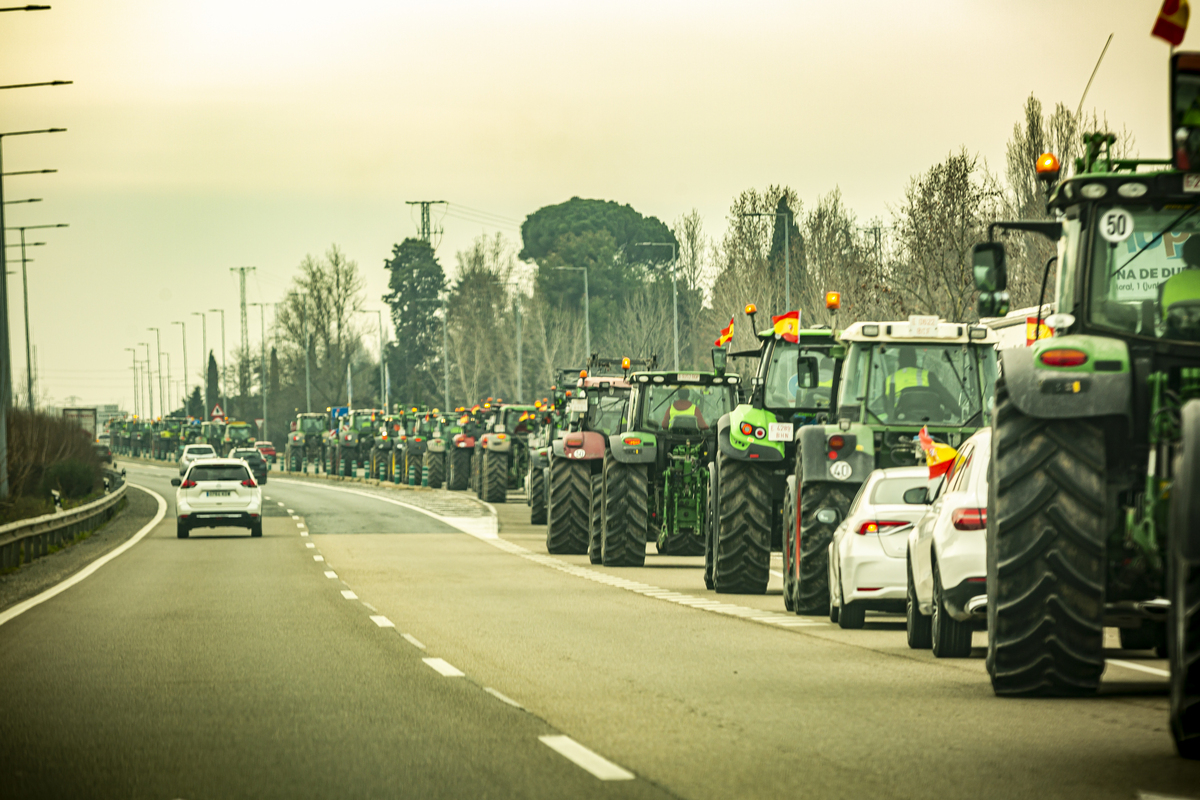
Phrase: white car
(866, 555)
(947, 557)
(218, 493)
(194, 452)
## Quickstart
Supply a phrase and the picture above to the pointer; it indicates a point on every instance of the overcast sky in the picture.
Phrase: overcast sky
(210, 135)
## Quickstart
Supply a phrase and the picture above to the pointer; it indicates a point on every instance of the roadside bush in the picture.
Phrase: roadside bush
(36, 442)
(74, 478)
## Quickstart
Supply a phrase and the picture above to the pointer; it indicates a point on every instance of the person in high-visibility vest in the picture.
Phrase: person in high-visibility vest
(1182, 290)
(683, 407)
(908, 376)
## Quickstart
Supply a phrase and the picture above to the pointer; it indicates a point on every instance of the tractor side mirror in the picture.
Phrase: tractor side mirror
(917, 496)
(808, 373)
(720, 357)
(991, 278)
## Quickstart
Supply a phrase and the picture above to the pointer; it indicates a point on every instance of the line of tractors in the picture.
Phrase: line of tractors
(163, 439)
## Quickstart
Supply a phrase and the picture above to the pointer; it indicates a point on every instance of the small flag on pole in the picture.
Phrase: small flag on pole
(1172, 22)
(788, 326)
(725, 335)
(939, 457)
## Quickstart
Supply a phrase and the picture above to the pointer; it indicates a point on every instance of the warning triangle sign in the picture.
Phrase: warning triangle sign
(217, 413)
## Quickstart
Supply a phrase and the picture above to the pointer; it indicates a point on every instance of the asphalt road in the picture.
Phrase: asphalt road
(223, 666)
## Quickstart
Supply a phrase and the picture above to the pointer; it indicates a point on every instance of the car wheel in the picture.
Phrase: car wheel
(181, 530)
(918, 626)
(256, 529)
(951, 638)
(852, 615)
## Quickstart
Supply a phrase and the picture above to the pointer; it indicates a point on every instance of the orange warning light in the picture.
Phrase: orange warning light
(625, 363)
(1047, 162)
(751, 308)
(833, 300)
(583, 373)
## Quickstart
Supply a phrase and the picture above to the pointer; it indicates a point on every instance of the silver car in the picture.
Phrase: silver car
(194, 452)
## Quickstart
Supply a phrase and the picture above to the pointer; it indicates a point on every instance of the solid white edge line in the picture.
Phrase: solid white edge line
(408, 637)
(438, 517)
(38, 599)
(580, 756)
(777, 574)
(444, 667)
(1139, 667)
(503, 698)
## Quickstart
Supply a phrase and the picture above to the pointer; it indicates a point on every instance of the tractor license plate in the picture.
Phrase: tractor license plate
(1191, 182)
(216, 494)
(579, 406)
(779, 432)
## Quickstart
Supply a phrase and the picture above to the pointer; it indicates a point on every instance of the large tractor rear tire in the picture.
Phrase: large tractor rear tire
(742, 540)
(1047, 524)
(811, 592)
(1183, 589)
(435, 463)
(537, 497)
(568, 507)
(596, 520)
(494, 478)
(626, 515)
(460, 469)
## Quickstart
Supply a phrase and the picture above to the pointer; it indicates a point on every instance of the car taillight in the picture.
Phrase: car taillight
(1064, 358)
(187, 485)
(249, 483)
(876, 526)
(969, 519)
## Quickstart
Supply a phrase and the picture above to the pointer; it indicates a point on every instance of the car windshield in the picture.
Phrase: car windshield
(247, 455)
(674, 406)
(798, 378)
(218, 472)
(606, 413)
(1144, 283)
(914, 384)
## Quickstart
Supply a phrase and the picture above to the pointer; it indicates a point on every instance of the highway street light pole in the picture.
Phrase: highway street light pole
(169, 403)
(587, 317)
(224, 396)
(162, 405)
(262, 328)
(204, 346)
(137, 387)
(787, 258)
(5, 347)
(149, 380)
(674, 291)
(25, 292)
(183, 330)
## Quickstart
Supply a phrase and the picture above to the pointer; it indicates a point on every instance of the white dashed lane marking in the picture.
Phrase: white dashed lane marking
(444, 668)
(295, 517)
(408, 637)
(1140, 667)
(281, 505)
(382, 621)
(309, 544)
(349, 595)
(591, 761)
(503, 698)
(318, 558)
(330, 574)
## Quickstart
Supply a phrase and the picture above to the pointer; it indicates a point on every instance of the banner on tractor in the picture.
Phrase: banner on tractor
(725, 335)
(788, 326)
(939, 457)
(1172, 22)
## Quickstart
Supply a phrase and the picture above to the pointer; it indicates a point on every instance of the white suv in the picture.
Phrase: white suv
(218, 493)
(193, 453)
(947, 557)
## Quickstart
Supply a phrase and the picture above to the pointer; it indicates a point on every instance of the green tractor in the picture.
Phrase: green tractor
(350, 444)
(237, 434)
(795, 386)
(656, 470)
(461, 450)
(305, 441)
(502, 452)
(1094, 427)
(442, 430)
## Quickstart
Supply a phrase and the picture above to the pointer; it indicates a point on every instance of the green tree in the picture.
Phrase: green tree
(212, 395)
(195, 405)
(415, 286)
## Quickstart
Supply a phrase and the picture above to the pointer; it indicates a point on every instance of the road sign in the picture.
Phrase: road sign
(217, 413)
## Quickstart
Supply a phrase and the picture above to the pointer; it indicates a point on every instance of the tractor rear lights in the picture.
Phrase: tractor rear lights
(878, 526)
(747, 429)
(632, 441)
(837, 442)
(1064, 358)
(969, 519)
(760, 433)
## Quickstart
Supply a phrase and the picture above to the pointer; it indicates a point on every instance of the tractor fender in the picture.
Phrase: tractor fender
(464, 442)
(816, 465)
(580, 445)
(646, 452)
(497, 442)
(539, 458)
(382, 444)
(436, 446)
(1052, 393)
(752, 450)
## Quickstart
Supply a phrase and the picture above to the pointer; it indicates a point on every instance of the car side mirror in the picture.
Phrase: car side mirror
(917, 496)
(176, 481)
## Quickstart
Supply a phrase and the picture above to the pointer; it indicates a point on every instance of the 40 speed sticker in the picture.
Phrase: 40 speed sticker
(841, 470)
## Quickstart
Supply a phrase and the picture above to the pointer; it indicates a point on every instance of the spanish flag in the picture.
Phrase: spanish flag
(939, 457)
(1034, 331)
(1172, 22)
(788, 326)
(725, 335)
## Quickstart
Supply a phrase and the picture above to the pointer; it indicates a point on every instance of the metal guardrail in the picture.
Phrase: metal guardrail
(21, 542)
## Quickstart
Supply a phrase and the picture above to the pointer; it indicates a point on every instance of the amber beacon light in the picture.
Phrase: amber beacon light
(1047, 167)
(833, 300)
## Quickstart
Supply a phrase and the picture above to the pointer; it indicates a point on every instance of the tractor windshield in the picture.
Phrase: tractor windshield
(606, 412)
(684, 407)
(918, 383)
(798, 378)
(519, 421)
(239, 433)
(1142, 282)
(364, 423)
(310, 425)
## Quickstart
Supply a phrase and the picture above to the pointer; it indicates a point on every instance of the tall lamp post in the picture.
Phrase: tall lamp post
(204, 355)
(158, 349)
(224, 395)
(5, 348)
(169, 403)
(25, 292)
(149, 380)
(587, 317)
(674, 290)
(183, 331)
(137, 386)
(262, 326)
(787, 258)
